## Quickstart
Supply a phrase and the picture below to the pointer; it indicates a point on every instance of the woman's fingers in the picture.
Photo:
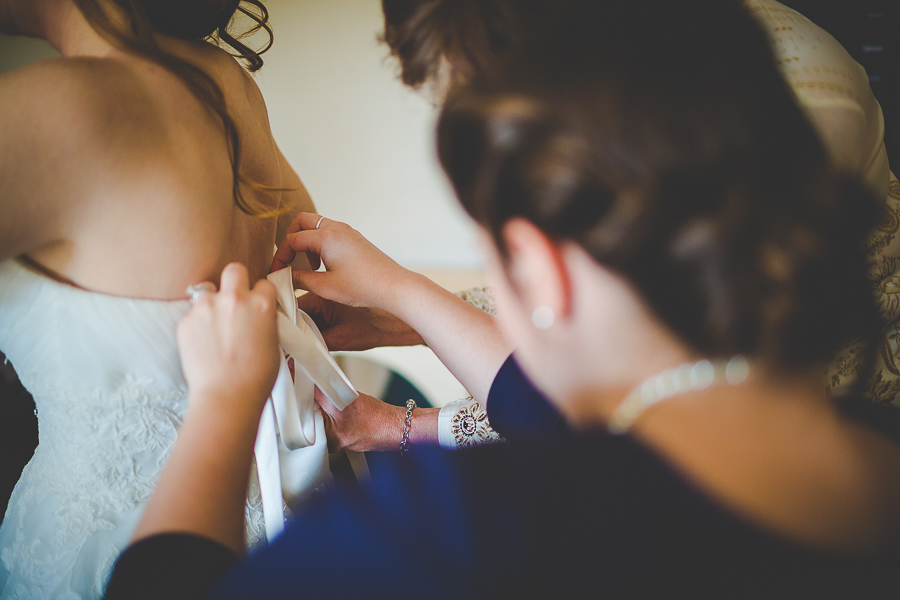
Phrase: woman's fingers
(325, 403)
(357, 273)
(331, 414)
(286, 252)
(228, 343)
(304, 220)
(311, 281)
(266, 295)
(201, 292)
(284, 256)
(306, 241)
(295, 226)
(235, 279)
(307, 221)
(327, 316)
(367, 424)
(300, 241)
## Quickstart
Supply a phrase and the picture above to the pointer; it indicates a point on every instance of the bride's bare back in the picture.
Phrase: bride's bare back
(116, 177)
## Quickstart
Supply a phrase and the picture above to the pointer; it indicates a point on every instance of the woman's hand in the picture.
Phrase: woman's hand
(371, 425)
(229, 355)
(229, 343)
(468, 341)
(357, 273)
(367, 425)
(350, 329)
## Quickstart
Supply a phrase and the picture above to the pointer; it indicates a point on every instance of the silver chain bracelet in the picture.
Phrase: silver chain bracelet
(404, 439)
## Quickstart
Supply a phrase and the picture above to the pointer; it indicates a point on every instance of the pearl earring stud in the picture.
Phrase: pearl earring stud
(543, 317)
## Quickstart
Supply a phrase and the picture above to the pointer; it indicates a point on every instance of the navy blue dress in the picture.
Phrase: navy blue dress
(586, 515)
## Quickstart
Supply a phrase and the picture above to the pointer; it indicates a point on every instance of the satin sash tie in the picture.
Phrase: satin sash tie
(291, 449)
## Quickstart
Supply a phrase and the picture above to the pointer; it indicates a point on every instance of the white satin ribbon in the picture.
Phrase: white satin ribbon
(291, 449)
(267, 462)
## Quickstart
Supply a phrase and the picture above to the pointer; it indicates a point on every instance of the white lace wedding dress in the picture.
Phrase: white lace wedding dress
(110, 396)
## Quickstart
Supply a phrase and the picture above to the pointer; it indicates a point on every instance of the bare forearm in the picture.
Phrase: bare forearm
(203, 488)
(370, 424)
(467, 340)
(423, 429)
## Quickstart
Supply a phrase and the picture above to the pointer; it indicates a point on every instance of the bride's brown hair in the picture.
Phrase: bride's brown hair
(209, 20)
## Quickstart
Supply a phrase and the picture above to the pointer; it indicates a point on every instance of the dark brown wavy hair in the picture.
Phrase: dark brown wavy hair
(209, 20)
(471, 35)
(675, 155)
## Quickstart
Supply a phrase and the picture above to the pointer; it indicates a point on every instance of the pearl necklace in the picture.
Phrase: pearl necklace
(688, 377)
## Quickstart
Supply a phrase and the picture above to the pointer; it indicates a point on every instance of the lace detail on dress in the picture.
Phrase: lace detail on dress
(110, 397)
(84, 490)
(883, 252)
(98, 461)
(254, 525)
(470, 426)
(481, 298)
(464, 423)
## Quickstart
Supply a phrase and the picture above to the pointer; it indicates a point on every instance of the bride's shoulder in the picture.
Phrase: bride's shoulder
(48, 110)
(64, 116)
(64, 97)
(40, 85)
(122, 101)
(92, 97)
(52, 106)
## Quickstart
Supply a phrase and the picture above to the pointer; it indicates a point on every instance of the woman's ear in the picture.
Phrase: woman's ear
(537, 272)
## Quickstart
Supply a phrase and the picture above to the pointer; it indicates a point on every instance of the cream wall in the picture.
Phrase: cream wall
(362, 143)
(18, 51)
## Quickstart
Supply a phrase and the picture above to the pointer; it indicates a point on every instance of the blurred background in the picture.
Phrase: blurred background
(364, 146)
(870, 31)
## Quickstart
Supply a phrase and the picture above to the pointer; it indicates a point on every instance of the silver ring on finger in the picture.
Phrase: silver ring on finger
(319, 222)
(193, 291)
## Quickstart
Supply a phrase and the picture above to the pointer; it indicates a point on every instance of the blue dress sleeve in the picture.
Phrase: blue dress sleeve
(425, 527)
(596, 515)
(517, 410)
(175, 566)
